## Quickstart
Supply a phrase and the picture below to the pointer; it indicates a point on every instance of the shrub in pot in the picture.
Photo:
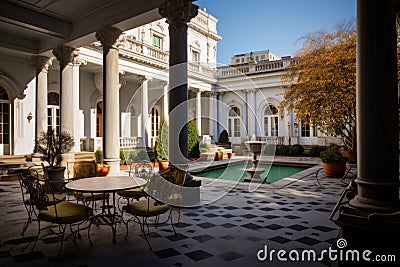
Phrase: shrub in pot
(51, 146)
(102, 169)
(334, 162)
(161, 146)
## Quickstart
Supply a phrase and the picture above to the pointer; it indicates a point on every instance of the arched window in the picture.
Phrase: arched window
(271, 121)
(155, 125)
(4, 117)
(53, 111)
(234, 122)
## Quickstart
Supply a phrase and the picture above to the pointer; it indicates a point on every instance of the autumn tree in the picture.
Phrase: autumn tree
(322, 83)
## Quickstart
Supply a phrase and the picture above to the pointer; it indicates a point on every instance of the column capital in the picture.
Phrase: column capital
(163, 83)
(143, 78)
(108, 36)
(41, 63)
(65, 55)
(178, 11)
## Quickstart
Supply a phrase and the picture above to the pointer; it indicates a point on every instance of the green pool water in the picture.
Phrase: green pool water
(235, 172)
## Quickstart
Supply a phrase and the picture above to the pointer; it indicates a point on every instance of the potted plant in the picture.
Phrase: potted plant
(102, 169)
(334, 162)
(219, 154)
(161, 146)
(51, 146)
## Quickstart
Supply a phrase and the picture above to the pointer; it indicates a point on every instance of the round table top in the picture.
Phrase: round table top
(105, 184)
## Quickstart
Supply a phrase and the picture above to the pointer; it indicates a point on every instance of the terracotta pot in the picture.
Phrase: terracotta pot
(163, 165)
(103, 170)
(218, 155)
(350, 157)
(334, 169)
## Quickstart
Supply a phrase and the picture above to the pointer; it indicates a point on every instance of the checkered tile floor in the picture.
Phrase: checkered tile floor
(227, 232)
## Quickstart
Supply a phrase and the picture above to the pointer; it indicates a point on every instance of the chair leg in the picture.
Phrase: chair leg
(62, 241)
(34, 244)
(144, 232)
(30, 213)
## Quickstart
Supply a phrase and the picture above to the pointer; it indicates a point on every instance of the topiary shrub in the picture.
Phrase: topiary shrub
(296, 150)
(283, 150)
(315, 151)
(193, 140)
(161, 144)
(223, 138)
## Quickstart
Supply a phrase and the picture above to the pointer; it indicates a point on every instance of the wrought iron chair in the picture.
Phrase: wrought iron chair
(86, 169)
(57, 213)
(28, 202)
(152, 207)
(142, 169)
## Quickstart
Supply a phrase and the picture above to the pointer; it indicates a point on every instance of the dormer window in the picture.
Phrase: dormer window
(158, 42)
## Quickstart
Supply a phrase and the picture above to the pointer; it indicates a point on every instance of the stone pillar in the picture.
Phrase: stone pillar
(164, 86)
(198, 111)
(146, 120)
(65, 55)
(251, 112)
(108, 37)
(178, 13)
(75, 104)
(370, 220)
(212, 116)
(41, 64)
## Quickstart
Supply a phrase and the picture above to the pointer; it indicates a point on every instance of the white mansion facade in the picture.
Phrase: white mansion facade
(243, 97)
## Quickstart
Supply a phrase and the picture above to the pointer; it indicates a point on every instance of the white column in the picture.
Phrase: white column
(212, 115)
(145, 122)
(198, 111)
(251, 112)
(164, 86)
(76, 131)
(41, 64)
(108, 37)
(65, 55)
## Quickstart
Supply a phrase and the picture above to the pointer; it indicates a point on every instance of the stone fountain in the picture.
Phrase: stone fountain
(255, 172)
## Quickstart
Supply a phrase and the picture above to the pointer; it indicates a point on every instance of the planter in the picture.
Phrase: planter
(55, 175)
(218, 155)
(162, 165)
(334, 169)
(103, 170)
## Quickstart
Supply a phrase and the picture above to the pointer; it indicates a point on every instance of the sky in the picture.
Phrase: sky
(277, 25)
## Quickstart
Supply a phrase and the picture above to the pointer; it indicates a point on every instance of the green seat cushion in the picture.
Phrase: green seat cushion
(91, 196)
(57, 199)
(67, 213)
(145, 209)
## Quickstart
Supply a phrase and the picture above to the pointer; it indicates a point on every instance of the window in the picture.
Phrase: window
(4, 117)
(53, 111)
(99, 119)
(242, 60)
(238, 60)
(257, 58)
(307, 129)
(155, 125)
(234, 122)
(195, 56)
(271, 121)
(262, 57)
(157, 41)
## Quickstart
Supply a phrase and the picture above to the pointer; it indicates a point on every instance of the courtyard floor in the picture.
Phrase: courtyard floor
(228, 230)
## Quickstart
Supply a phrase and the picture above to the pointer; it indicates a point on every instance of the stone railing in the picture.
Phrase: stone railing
(124, 143)
(130, 142)
(245, 69)
(145, 50)
(197, 68)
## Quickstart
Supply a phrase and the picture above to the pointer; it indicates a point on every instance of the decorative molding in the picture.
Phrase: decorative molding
(108, 36)
(41, 63)
(143, 78)
(65, 55)
(178, 11)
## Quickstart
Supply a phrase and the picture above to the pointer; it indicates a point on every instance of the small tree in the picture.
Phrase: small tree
(223, 137)
(52, 146)
(322, 83)
(161, 144)
(193, 140)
